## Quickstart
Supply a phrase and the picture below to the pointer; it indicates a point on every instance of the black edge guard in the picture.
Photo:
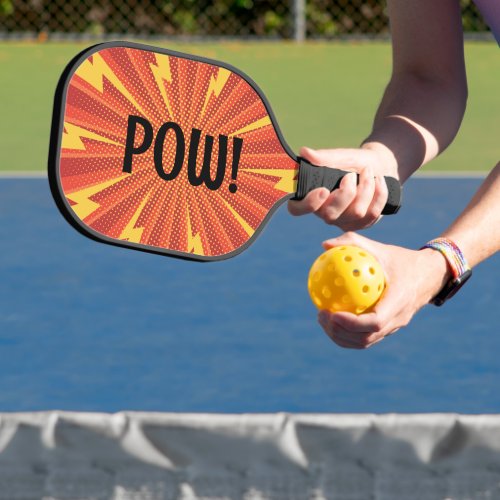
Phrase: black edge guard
(312, 177)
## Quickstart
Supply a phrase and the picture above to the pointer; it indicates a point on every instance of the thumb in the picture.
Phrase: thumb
(378, 250)
(311, 155)
(352, 159)
(349, 238)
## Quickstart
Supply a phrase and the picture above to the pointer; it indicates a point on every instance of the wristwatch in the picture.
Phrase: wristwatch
(460, 270)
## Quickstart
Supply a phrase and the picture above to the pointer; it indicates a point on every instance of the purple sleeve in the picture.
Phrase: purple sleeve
(490, 9)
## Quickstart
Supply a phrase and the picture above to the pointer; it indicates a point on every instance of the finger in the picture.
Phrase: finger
(341, 340)
(339, 334)
(393, 332)
(324, 318)
(348, 338)
(354, 341)
(358, 224)
(312, 155)
(311, 203)
(365, 191)
(338, 201)
(385, 317)
(345, 344)
(362, 324)
(348, 238)
(372, 343)
(380, 196)
(392, 311)
(376, 338)
(362, 340)
(367, 202)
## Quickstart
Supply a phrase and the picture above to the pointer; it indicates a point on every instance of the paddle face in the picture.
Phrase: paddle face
(164, 152)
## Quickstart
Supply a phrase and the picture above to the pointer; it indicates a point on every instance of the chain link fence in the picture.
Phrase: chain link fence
(284, 19)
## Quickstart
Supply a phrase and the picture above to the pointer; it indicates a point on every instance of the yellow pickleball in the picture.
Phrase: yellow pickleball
(346, 278)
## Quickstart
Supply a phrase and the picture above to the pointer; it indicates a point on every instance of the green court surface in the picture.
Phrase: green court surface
(323, 95)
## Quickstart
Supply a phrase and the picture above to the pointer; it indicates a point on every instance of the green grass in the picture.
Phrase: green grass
(323, 94)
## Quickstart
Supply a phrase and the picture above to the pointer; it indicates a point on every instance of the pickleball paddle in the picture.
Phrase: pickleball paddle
(171, 153)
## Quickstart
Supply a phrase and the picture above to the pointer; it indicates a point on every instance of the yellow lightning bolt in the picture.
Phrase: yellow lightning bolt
(194, 241)
(94, 73)
(287, 182)
(161, 71)
(263, 122)
(215, 86)
(244, 224)
(84, 205)
(72, 137)
(131, 233)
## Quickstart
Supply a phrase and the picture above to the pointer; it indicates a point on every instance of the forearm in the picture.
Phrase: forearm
(424, 103)
(477, 230)
(416, 120)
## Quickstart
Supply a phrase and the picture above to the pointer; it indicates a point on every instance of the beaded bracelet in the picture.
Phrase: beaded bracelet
(458, 265)
(452, 254)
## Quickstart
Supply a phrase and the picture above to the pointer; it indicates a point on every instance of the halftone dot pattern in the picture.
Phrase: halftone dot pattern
(140, 207)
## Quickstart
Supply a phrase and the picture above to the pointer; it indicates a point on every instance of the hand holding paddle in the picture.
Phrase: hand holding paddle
(360, 199)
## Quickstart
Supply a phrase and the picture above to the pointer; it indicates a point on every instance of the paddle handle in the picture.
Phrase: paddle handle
(312, 177)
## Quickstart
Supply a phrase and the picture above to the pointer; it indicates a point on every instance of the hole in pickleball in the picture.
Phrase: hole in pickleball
(339, 281)
(317, 300)
(372, 270)
(359, 310)
(330, 268)
(379, 288)
(366, 289)
(356, 273)
(317, 276)
(346, 299)
(327, 293)
(348, 258)
(363, 254)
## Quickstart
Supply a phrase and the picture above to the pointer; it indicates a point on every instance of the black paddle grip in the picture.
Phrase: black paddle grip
(312, 177)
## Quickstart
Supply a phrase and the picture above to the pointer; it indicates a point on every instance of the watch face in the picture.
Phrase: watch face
(451, 288)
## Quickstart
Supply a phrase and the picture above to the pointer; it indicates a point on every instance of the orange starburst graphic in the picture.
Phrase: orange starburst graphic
(169, 152)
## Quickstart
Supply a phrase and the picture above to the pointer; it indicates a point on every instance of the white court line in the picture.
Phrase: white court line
(454, 174)
(11, 174)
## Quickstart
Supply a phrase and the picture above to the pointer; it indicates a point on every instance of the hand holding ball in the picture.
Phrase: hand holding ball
(346, 278)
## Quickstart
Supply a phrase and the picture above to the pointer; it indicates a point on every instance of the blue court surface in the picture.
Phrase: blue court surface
(86, 326)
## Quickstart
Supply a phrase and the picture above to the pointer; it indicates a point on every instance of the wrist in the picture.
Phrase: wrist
(386, 156)
(457, 266)
(437, 272)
